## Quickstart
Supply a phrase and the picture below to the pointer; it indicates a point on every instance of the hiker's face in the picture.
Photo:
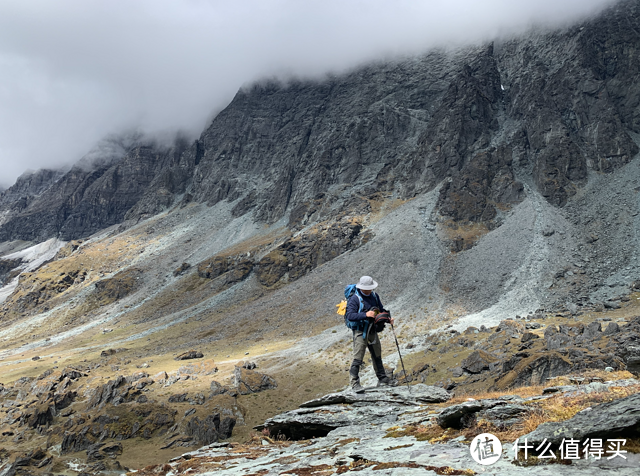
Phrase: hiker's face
(366, 292)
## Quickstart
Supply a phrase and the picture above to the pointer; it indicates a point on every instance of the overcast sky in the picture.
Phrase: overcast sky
(73, 71)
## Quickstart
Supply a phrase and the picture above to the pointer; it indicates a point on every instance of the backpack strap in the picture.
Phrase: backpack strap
(377, 300)
(357, 293)
(364, 322)
(375, 295)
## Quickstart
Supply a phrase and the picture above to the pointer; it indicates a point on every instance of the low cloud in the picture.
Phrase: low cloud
(74, 71)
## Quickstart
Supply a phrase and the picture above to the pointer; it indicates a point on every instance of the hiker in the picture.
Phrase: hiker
(362, 308)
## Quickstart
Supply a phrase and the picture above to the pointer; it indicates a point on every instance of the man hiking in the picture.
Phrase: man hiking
(362, 308)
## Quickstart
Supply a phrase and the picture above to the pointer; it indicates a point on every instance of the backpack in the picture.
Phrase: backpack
(349, 291)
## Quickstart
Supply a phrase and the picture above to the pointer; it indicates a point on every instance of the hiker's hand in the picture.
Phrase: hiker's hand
(392, 321)
(371, 314)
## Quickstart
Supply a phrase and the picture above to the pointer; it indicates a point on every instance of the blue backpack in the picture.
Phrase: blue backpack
(349, 291)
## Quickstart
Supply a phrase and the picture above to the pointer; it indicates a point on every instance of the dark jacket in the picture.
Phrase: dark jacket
(369, 302)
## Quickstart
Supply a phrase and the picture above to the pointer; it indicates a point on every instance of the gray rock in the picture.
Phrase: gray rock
(182, 397)
(192, 354)
(306, 423)
(376, 406)
(612, 328)
(558, 389)
(528, 336)
(611, 305)
(210, 429)
(558, 341)
(418, 393)
(504, 416)
(478, 361)
(592, 331)
(217, 388)
(455, 416)
(452, 417)
(249, 381)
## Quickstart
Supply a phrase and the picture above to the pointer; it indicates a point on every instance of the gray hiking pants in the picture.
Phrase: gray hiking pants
(359, 348)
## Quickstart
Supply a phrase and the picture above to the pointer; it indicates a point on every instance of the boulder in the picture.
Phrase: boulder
(63, 400)
(512, 327)
(454, 416)
(178, 398)
(611, 329)
(217, 388)
(504, 416)
(501, 412)
(478, 361)
(524, 369)
(210, 429)
(114, 391)
(558, 341)
(192, 354)
(249, 381)
(376, 406)
(75, 441)
(592, 331)
(197, 399)
(42, 415)
(160, 376)
(528, 336)
(71, 374)
(100, 451)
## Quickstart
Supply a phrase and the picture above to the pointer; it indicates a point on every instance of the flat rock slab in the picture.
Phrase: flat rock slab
(419, 393)
(318, 417)
(452, 417)
(306, 423)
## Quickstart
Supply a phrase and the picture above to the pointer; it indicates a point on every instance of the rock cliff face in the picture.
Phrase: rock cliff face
(83, 201)
(544, 109)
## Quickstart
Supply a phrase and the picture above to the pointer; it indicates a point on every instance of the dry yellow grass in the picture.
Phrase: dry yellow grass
(553, 409)
(590, 375)
(523, 392)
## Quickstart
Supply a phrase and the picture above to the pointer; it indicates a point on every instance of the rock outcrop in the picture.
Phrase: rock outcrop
(318, 417)
(191, 354)
(249, 381)
(617, 419)
(210, 429)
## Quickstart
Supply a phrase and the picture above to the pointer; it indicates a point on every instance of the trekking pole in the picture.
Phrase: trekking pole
(406, 380)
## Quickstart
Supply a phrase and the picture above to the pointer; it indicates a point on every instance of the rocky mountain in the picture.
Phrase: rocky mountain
(546, 109)
(494, 185)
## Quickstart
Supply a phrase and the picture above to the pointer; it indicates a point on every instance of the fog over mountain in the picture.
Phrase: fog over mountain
(75, 72)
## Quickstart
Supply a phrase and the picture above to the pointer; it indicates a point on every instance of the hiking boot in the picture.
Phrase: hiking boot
(357, 388)
(386, 382)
